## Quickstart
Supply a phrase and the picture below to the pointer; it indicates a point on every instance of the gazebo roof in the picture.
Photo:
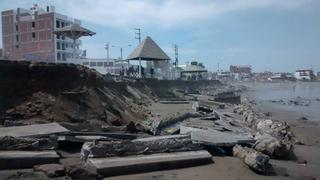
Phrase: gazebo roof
(148, 50)
(74, 31)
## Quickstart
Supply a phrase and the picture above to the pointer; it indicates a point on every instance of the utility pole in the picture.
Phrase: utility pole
(138, 36)
(176, 54)
(107, 48)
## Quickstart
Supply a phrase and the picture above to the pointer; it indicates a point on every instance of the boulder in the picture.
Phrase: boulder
(273, 147)
(256, 161)
(51, 170)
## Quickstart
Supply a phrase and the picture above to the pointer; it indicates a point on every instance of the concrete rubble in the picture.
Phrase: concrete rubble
(273, 138)
(95, 127)
(160, 144)
(257, 161)
(144, 163)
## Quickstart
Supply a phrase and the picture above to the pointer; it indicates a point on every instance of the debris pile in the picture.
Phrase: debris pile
(273, 138)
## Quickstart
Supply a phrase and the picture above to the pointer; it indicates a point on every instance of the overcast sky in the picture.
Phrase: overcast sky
(275, 35)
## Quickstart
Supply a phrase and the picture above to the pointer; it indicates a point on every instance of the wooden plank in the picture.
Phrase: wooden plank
(35, 130)
(144, 163)
(26, 159)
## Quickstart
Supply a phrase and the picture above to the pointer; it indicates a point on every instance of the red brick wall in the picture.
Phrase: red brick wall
(41, 48)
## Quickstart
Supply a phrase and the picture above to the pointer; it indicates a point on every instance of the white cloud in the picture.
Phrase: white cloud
(166, 13)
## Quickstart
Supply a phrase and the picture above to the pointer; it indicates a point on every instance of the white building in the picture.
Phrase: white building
(304, 75)
(193, 71)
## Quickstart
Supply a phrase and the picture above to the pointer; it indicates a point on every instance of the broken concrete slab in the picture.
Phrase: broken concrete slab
(144, 163)
(19, 143)
(36, 130)
(156, 125)
(216, 138)
(26, 159)
(173, 143)
(174, 102)
(105, 134)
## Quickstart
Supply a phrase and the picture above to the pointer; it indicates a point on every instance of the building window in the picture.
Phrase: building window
(63, 57)
(17, 27)
(58, 24)
(63, 46)
(86, 63)
(105, 64)
(62, 24)
(58, 36)
(33, 35)
(17, 46)
(17, 38)
(100, 64)
(63, 37)
(58, 45)
(93, 63)
(58, 56)
(33, 24)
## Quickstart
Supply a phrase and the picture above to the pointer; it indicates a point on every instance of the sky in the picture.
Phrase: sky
(269, 35)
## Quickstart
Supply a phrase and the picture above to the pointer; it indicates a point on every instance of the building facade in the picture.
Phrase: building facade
(27, 34)
(304, 75)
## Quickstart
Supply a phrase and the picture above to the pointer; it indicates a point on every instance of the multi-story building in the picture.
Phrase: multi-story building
(193, 71)
(304, 75)
(27, 34)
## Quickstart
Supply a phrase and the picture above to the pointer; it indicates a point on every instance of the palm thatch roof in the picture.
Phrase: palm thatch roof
(148, 50)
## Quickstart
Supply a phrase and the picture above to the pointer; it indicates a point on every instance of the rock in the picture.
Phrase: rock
(273, 147)
(77, 169)
(303, 118)
(51, 170)
(255, 160)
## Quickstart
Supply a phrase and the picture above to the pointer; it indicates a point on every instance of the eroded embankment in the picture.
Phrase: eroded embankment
(72, 94)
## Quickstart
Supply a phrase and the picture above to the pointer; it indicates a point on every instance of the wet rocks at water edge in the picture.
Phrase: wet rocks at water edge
(257, 161)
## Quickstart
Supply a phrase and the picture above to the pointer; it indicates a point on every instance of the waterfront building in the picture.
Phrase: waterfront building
(306, 74)
(27, 34)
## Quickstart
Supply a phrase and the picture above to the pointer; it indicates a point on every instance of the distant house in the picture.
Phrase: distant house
(193, 71)
(304, 75)
(241, 72)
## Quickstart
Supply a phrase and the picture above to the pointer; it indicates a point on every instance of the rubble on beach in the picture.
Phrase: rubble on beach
(89, 127)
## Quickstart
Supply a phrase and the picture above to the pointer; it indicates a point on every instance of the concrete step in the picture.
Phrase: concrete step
(26, 159)
(145, 163)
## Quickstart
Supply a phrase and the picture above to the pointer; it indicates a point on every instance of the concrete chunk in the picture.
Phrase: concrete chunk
(144, 163)
(36, 130)
(158, 144)
(216, 138)
(26, 159)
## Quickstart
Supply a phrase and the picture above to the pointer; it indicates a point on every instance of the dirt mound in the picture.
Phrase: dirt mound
(41, 92)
